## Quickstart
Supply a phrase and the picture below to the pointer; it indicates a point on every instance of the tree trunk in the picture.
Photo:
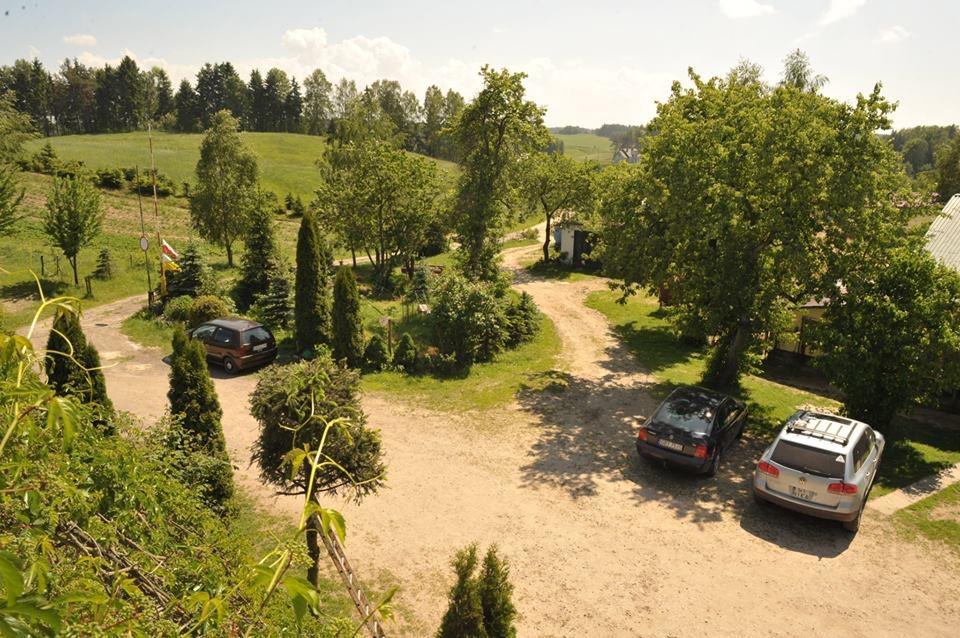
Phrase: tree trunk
(353, 254)
(73, 264)
(229, 254)
(546, 242)
(313, 549)
(726, 372)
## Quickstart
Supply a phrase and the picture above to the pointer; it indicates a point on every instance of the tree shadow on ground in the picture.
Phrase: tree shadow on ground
(657, 347)
(27, 289)
(903, 464)
(588, 437)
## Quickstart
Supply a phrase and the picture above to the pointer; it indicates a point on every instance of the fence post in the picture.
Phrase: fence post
(43, 272)
(89, 279)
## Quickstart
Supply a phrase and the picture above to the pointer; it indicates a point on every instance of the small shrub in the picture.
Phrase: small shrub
(45, 160)
(405, 355)
(523, 321)
(376, 356)
(529, 233)
(177, 310)
(206, 308)
(419, 289)
(129, 173)
(480, 606)
(109, 178)
(104, 269)
(469, 319)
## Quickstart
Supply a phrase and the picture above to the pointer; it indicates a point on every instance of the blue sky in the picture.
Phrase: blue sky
(589, 62)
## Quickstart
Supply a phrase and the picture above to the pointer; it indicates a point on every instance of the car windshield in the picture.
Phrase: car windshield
(254, 336)
(809, 459)
(686, 413)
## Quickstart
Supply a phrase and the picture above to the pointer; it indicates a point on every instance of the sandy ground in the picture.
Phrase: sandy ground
(599, 542)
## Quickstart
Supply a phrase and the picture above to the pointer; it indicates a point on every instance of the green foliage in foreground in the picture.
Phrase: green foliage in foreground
(73, 365)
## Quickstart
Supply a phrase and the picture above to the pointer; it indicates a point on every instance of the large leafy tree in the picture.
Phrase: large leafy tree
(751, 199)
(381, 200)
(305, 407)
(555, 183)
(493, 132)
(312, 286)
(317, 103)
(73, 217)
(226, 187)
(890, 336)
(948, 169)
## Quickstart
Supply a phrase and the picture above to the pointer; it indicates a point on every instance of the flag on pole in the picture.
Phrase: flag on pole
(168, 250)
(167, 263)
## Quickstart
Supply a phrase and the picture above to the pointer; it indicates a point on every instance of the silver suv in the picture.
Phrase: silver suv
(822, 465)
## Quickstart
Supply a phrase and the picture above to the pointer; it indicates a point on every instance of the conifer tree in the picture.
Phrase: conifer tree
(275, 306)
(260, 243)
(72, 364)
(347, 325)
(377, 355)
(195, 277)
(464, 616)
(311, 303)
(405, 355)
(104, 268)
(495, 596)
(193, 400)
(192, 395)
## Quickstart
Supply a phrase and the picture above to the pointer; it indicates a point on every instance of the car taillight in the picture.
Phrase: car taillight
(642, 434)
(842, 488)
(700, 451)
(766, 468)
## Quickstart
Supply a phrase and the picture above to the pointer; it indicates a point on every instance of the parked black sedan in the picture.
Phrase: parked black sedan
(692, 428)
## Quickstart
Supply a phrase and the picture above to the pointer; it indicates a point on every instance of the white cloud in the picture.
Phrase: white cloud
(80, 40)
(744, 8)
(840, 9)
(176, 71)
(894, 34)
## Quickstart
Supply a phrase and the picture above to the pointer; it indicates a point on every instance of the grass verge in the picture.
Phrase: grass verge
(936, 517)
(148, 331)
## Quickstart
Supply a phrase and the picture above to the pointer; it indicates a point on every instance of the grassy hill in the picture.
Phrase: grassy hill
(587, 146)
(287, 160)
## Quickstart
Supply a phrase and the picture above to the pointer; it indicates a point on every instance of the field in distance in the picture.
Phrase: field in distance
(287, 160)
(587, 146)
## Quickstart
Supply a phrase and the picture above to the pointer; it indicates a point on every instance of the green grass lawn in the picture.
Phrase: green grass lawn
(149, 331)
(936, 517)
(482, 386)
(553, 270)
(287, 160)
(914, 449)
(587, 146)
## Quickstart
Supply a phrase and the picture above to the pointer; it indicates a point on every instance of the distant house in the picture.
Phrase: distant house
(943, 236)
(628, 155)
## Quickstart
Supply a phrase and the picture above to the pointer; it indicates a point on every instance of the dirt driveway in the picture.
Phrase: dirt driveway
(600, 543)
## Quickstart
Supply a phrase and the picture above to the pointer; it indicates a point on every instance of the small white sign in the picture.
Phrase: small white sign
(144, 244)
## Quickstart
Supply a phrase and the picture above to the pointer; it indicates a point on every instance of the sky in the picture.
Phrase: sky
(588, 62)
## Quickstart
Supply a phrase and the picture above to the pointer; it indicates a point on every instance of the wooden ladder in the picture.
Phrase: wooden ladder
(369, 615)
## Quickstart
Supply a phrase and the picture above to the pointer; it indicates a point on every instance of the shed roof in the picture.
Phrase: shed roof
(943, 236)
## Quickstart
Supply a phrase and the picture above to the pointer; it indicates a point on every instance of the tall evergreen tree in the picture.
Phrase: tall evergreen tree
(275, 304)
(187, 108)
(261, 246)
(256, 102)
(72, 364)
(496, 593)
(193, 401)
(192, 395)
(311, 304)
(293, 108)
(347, 324)
(464, 616)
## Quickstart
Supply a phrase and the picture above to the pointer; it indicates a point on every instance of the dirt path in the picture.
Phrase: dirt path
(600, 543)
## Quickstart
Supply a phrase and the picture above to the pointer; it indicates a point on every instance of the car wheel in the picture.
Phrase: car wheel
(229, 365)
(854, 525)
(715, 465)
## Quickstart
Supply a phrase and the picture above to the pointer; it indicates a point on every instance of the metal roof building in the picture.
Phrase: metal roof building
(943, 236)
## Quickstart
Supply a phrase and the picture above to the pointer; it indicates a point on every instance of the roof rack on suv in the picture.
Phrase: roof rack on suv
(822, 426)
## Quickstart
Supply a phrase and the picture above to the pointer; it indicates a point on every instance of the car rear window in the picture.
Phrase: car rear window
(808, 459)
(253, 336)
(685, 414)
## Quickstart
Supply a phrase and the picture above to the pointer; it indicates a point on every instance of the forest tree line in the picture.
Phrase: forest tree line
(79, 99)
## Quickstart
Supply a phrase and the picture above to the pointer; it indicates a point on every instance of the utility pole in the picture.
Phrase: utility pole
(144, 244)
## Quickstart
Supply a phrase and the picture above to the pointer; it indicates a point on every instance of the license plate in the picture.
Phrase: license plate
(260, 347)
(671, 445)
(799, 492)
